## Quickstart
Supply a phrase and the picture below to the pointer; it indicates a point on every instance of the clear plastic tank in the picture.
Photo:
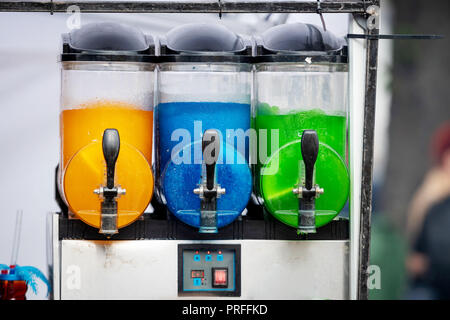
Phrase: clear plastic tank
(107, 84)
(301, 85)
(204, 83)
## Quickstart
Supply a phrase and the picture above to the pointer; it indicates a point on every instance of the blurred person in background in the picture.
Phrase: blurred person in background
(428, 226)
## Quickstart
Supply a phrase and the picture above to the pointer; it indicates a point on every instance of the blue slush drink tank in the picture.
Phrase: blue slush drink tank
(202, 118)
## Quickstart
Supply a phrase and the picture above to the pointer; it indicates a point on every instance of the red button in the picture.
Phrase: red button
(220, 277)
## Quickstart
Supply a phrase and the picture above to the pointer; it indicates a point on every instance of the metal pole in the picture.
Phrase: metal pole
(206, 6)
(367, 161)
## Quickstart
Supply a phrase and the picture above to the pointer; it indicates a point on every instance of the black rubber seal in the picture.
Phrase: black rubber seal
(108, 57)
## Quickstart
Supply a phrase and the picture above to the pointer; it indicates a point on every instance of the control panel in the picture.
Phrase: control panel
(209, 270)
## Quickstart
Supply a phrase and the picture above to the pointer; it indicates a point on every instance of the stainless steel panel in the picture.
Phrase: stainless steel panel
(147, 269)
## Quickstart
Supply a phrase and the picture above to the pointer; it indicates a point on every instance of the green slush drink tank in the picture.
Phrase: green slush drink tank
(300, 118)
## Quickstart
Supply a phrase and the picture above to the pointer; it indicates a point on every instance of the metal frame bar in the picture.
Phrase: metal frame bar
(357, 67)
(367, 161)
(205, 6)
(226, 6)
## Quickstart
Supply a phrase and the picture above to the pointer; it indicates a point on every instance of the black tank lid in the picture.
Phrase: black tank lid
(108, 41)
(297, 41)
(204, 42)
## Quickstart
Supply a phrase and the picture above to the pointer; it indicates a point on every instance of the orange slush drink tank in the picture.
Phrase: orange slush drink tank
(84, 166)
(106, 124)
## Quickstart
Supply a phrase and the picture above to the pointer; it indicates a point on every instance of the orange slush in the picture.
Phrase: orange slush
(84, 168)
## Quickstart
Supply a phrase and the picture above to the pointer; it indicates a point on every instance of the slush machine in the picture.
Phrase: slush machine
(251, 168)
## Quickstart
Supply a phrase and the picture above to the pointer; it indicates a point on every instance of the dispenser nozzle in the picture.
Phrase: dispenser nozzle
(308, 193)
(111, 148)
(208, 190)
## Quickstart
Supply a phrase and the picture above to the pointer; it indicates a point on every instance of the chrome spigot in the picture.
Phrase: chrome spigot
(200, 191)
(299, 191)
(120, 192)
(208, 190)
(308, 193)
(110, 193)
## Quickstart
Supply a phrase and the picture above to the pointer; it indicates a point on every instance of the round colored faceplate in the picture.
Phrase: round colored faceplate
(180, 179)
(280, 175)
(86, 171)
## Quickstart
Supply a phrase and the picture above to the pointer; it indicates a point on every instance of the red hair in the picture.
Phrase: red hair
(440, 143)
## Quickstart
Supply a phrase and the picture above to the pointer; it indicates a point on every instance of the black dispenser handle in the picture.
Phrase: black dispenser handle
(210, 149)
(310, 150)
(111, 148)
